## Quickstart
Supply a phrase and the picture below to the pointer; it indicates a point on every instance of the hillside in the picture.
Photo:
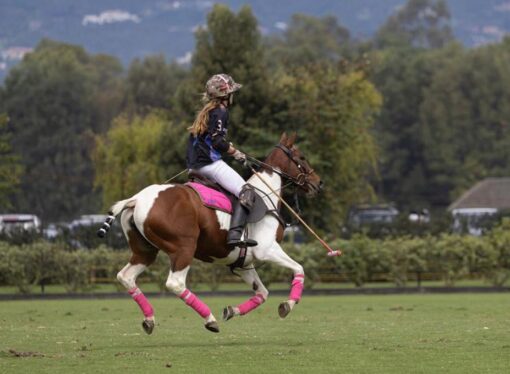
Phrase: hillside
(130, 28)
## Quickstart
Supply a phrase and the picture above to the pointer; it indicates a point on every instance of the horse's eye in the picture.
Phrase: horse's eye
(303, 158)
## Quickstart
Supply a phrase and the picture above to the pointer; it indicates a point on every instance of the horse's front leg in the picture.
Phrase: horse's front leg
(251, 277)
(176, 283)
(276, 255)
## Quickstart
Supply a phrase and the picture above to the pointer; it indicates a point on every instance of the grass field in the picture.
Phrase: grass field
(241, 286)
(467, 333)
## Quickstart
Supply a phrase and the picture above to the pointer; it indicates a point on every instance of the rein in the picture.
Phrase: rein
(301, 178)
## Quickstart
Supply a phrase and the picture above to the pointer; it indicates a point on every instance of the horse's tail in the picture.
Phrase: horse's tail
(115, 210)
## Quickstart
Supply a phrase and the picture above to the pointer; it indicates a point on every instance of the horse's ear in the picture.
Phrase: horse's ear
(292, 139)
(283, 139)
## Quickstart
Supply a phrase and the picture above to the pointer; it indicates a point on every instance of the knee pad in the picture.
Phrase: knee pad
(247, 196)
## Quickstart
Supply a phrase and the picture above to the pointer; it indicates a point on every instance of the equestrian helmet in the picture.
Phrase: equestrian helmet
(221, 85)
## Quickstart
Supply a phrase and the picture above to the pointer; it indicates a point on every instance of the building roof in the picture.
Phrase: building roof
(489, 193)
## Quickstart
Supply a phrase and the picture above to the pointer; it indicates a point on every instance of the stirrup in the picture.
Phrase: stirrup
(241, 243)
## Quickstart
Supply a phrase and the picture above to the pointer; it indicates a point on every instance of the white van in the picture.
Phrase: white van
(19, 222)
(88, 220)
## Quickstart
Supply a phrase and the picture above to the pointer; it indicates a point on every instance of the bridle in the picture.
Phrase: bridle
(304, 172)
(302, 177)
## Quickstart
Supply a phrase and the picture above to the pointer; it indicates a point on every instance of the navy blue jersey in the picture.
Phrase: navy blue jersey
(208, 147)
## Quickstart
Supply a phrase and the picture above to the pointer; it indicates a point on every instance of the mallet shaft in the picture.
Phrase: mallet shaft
(324, 244)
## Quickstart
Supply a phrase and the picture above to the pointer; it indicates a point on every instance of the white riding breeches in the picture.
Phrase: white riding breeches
(224, 175)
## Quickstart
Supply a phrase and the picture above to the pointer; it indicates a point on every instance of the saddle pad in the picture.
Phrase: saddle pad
(212, 198)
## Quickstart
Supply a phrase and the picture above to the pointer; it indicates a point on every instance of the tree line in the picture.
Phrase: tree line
(409, 115)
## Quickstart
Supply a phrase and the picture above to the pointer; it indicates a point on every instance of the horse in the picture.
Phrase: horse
(172, 218)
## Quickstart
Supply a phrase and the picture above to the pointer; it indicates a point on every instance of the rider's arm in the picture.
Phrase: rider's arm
(217, 129)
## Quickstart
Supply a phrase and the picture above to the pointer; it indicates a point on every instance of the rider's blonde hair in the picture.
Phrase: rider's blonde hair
(201, 121)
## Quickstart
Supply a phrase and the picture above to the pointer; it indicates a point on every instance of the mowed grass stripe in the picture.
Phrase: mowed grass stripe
(468, 333)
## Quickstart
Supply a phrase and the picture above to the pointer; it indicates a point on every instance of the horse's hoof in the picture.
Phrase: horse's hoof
(212, 326)
(148, 326)
(228, 313)
(284, 309)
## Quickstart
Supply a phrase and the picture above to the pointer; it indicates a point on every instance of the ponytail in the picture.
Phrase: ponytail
(201, 121)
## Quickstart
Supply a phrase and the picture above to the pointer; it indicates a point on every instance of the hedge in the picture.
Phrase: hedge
(451, 256)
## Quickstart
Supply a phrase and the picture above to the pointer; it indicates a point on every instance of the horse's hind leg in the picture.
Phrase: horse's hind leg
(251, 277)
(143, 254)
(176, 282)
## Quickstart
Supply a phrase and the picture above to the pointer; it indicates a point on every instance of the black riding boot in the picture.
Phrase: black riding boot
(237, 225)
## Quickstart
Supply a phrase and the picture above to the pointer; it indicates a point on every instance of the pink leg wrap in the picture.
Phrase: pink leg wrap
(142, 301)
(193, 301)
(297, 287)
(251, 304)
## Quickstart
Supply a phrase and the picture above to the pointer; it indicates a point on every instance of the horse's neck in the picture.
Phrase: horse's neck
(273, 180)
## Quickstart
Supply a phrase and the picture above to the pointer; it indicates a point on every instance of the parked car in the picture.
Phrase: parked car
(366, 215)
(10, 223)
(376, 220)
(419, 216)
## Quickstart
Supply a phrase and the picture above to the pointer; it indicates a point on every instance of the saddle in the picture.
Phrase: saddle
(216, 197)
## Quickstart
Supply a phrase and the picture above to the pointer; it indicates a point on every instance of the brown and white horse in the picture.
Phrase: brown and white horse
(172, 218)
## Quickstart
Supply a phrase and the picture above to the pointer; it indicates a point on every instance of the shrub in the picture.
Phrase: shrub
(364, 259)
(75, 270)
(500, 241)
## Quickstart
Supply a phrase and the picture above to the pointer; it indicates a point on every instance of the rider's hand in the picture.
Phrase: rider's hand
(239, 156)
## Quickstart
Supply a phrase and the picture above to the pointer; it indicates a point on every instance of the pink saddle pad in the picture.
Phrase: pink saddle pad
(212, 198)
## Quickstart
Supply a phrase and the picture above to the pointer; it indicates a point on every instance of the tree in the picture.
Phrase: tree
(419, 23)
(231, 44)
(152, 84)
(128, 158)
(464, 120)
(57, 99)
(402, 76)
(332, 109)
(10, 167)
(309, 39)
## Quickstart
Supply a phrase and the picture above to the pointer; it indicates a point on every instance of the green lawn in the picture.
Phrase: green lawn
(241, 286)
(467, 333)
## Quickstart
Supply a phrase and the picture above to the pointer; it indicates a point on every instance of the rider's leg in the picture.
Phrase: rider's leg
(229, 179)
(224, 175)
(242, 208)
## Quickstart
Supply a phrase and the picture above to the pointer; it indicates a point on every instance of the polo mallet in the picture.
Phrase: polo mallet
(331, 252)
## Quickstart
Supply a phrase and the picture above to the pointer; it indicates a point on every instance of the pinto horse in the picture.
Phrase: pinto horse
(171, 218)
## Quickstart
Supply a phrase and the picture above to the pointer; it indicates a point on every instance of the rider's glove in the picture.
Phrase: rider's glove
(239, 156)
